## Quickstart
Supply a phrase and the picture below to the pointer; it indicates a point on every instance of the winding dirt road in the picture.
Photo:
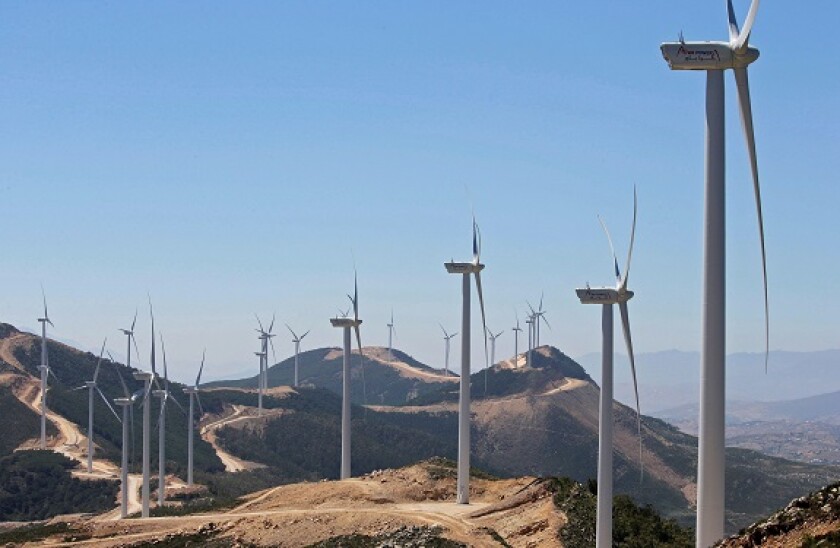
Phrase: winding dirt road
(240, 413)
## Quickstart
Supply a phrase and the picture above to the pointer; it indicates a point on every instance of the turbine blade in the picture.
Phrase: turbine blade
(733, 23)
(445, 334)
(176, 402)
(476, 242)
(612, 249)
(136, 349)
(355, 298)
(262, 330)
(109, 405)
(99, 362)
(632, 241)
(483, 317)
(542, 294)
(165, 370)
(134, 321)
(305, 334)
(271, 325)
(291, 331)
(198, 401)
(625, 323)
(200, 369)
(152, 361)
(120, 377)
(744, 37)
(542, 317)
(742, 80)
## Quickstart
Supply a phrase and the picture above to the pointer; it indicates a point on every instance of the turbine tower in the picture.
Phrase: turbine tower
(92, 388)
(447, 337)
(346, 324)
(607, 297)
(45, 370)
(493, 346)
(465, 269)
(192, 391)
(715, 58)
(296, 340)
(391, 332)
(530, 322)
(165, 395)
(126, 402)
(147, 378)
(516, 330)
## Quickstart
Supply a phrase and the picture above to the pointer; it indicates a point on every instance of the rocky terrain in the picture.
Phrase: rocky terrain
(808, 522)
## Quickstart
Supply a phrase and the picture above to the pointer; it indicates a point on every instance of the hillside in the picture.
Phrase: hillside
(540, 420)
(411, 506)
(386, 381)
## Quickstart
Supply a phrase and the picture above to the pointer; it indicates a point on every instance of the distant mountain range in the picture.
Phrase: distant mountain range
(671, 378)
(538, 420)
(806, 429)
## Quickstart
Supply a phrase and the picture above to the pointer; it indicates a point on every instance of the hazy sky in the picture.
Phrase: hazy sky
(235, 157)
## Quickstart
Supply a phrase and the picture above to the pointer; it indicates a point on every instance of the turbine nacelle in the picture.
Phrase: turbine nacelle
(603, 295)
(706, 55)
(345, 322)
(463, 268)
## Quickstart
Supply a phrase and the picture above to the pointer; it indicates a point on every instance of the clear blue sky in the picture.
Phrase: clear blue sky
(232, 158)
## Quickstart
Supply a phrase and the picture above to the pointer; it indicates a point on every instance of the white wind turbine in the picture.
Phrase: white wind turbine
(539, 316)
(165, 395)
(126, 402)
(493, 346)
(715, 58)
(607, 297)
(447, 337)
(192, 391)
(530, 322)
(346, 324)
(147, 378)
(516, 330)
(45, 370)
(262, 380)
(392, 331)
(296, 340)
(92, 388)
(465, 269)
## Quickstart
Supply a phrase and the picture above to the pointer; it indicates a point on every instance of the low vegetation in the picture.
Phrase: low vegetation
(38, 485)
(633, 526)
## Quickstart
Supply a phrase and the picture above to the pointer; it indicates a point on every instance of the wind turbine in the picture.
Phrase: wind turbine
(193, 393)
(347, 323)
(45, 370)
(465, 269)
(493, 346)
(146, 378)
(165, 395)
(447, 337)
(715, 58)
(126, 402)
(391, 332)
(539, 316)
(607, 297)
(516, 330)
(265, 338)
(92, 388)
(530, 322)
(296, 340)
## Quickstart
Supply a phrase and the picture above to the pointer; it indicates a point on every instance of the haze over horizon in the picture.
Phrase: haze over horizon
(231, 162)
